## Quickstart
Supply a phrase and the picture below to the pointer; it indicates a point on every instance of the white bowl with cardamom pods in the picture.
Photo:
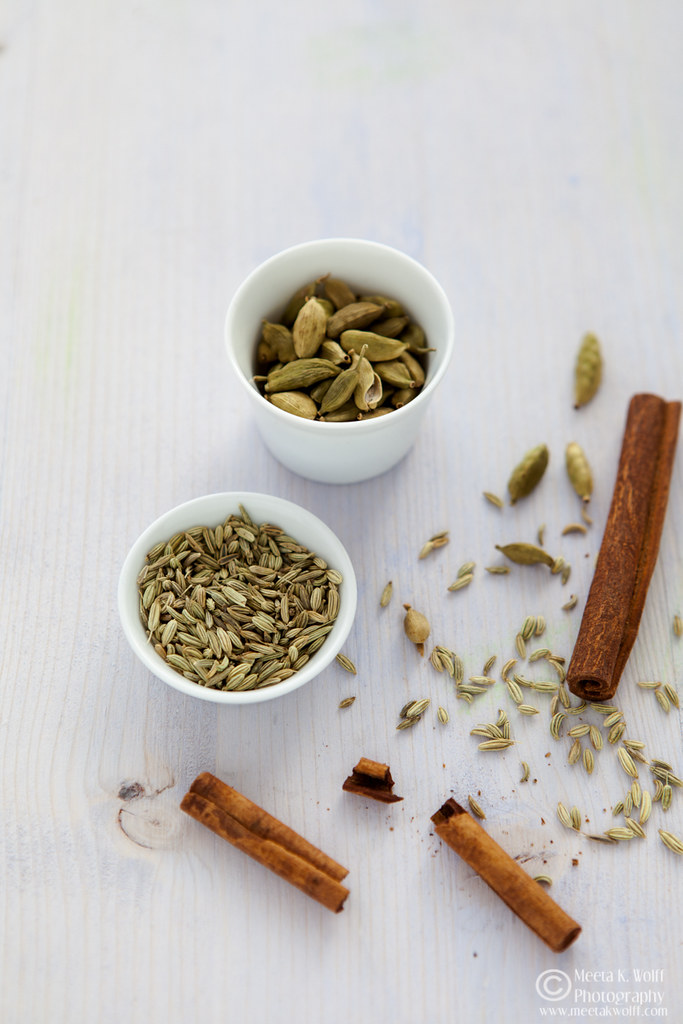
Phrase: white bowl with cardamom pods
(339, 452)
(207, 573)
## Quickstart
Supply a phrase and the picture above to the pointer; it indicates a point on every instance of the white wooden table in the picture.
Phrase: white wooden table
(152, 154)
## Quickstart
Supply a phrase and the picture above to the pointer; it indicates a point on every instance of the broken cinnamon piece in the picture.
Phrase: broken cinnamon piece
(525, 897)
(257, 833)
(629, 549)
(372, 779)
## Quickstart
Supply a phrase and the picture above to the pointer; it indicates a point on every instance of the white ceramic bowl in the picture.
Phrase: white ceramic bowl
(209, 511)
(339, 453)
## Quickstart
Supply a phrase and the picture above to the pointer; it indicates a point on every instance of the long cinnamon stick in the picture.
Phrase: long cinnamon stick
(629, 548)
(261, 836)
(523, 895)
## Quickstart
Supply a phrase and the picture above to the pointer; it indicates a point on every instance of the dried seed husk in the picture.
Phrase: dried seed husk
(415, 625)
(527, 473)
(525, 554)
(588, 370)
(402, 396)
(578, 471)
(353, 317)
(391, 327)
(338, 292)
(476, 808)
(300, 374)
(379, 349)
(296, 402)
(414, 368)
(308, 331)
(333, 351)
(296, 302)
(368, 391)
(493, 499)
(386, 595)
(396, 373)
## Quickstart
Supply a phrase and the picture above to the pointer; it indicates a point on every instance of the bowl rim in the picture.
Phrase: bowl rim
(127, 596)
(366, 426)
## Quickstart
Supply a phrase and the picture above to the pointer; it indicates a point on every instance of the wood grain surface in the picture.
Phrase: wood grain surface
(151, 155)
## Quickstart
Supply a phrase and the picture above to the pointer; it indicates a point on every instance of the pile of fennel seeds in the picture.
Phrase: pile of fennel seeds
(338, 357)
(238, 606)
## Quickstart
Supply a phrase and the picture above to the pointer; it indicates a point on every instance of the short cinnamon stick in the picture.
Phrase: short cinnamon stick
(629, 549)
(372, 779)
(525, 897)
(261, 836)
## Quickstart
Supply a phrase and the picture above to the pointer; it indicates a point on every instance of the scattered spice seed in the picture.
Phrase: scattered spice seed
(442, 715)
(466, 569)
(386, 595)
(579, 730)
(525, 554)
(600, 839)
(667, 796)
(678, 625)
(671, 841)
(346, 663)
(498, 570)
(520, 645)
(406, 723)
(620, 834)
(616, 732)
(659, 790)
(564, 815)
(571, 603)
(476, 808)
(439, 540)
(496, 744)
(417, 708)
(528, 627)
(628, 804)
(525, 772)
(527, 709)
(575, 815)
(618, 808)
(347, 702)
(588, 760)
(541, 534)
(543, 879)
(541, 652)
(584, 515)
(493, 499)
(556, 725)
(566, 572)
(540, 626)
(672, 694)
(595, 737)
(646, 685)
(612, 719)
(510, 663)
(574, 528)
(489, 665)
(663, 700)
(627, 762)
(574, 752)
(514, 691)
(558, 565)
(461, 581)
(437, 660)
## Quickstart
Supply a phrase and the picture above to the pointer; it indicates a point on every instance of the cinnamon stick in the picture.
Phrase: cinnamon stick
(257, 833)
(629, 549)
(372, 779)
(525, 897)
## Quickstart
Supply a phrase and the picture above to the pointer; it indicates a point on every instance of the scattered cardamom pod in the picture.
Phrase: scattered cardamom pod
(527, 474)
(588, 370)
(416, 627)
(526, 554)
(578, 471)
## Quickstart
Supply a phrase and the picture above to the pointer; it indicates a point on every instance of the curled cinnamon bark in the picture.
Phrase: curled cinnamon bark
(261, 836)
(629, 548)
(525, 897)
(372, 779)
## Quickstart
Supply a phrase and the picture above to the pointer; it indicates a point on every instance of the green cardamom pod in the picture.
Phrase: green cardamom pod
(527, 474)
(319, 390)
(402, 396)
(353, 317)
(309, 327)
(333, 351)
(416, 627)
(296, 402)
(338, 292)
(342, 388)
(415, 339)
(578, 471)
(296, 302)
(280, 340)
(415, 368)
(368, 392)
(391, 306)
(526, 554)
(374, 413)
(300, 374)
(344, 414)
(396, 373)
(379, 349)
(391, 327)
(588, 370)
